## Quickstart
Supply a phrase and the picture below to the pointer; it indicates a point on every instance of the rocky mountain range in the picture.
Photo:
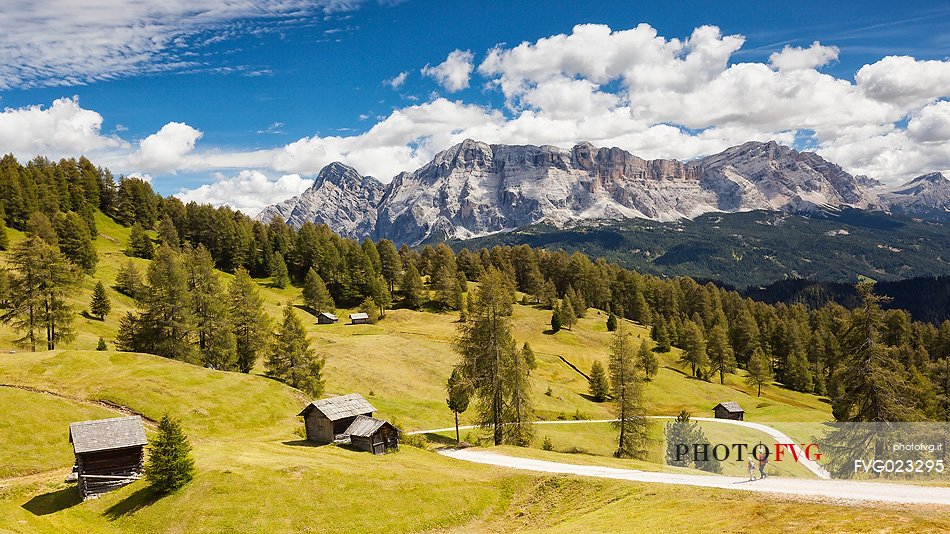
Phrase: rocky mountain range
(475, 189)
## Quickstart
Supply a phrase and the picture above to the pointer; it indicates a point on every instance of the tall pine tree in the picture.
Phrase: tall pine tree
(249, 324)
(292, 359)
(627, 394)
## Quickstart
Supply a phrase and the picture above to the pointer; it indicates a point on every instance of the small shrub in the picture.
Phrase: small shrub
(102, 345)
(549, 392)
(547, 445)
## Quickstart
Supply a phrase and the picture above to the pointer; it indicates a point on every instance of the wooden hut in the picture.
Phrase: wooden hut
(729, 410)
(109, 453)
(327, 318)
(359, 318)
(326, 420)
(373, 435)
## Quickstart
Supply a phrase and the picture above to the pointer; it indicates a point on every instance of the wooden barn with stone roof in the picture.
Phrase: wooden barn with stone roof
(729, 410)
(373, 435)
(110, 453)
(327, 420)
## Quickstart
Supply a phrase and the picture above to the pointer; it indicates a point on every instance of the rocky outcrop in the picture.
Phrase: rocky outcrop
(339, 198)
(926, 196)
(474, 189)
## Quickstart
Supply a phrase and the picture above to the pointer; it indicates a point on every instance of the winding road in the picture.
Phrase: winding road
(823, 487)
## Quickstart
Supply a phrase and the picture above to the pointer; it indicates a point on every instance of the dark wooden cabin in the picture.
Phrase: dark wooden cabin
(729, 410)
(373, 435)
(326, 318)
(326, 420)
(359, 318)
(110, 453)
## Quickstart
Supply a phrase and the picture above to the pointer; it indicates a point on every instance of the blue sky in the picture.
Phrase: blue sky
(274, 92)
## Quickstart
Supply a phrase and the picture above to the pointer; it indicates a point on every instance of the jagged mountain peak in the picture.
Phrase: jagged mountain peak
(475, 188)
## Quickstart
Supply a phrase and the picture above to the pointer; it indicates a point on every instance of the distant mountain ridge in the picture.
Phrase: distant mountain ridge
(475, 189)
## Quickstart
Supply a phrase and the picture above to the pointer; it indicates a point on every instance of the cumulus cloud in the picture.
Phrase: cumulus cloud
(905, 81)
(249, 191)
(164, 150)
(398, 80)
(796, 57)
(656, 96)
(60, 129)
(452, 74)
(51, 42)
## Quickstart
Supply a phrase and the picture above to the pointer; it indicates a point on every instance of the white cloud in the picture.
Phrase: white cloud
(64, 128)
(397, 81)
(932, 124)
(452, 74)
(249, 191)
(655, 96)
(164, 150)
(795, 57)
(905, 81)
(52, 42)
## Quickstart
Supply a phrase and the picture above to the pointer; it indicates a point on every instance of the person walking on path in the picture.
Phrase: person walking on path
(763, 460)
(751, 468)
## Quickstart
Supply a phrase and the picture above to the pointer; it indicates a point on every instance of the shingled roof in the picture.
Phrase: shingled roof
(730, 406)
(336, 408)
(364, 427)
(107, 434)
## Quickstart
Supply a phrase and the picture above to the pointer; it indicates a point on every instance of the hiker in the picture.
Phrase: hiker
(763, 459)
(751, 468)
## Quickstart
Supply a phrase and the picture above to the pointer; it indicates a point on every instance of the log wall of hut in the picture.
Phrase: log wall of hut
(381, 440)
(102, 471)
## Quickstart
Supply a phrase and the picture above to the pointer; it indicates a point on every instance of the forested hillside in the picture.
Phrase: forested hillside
(183, 311)
(758, 247)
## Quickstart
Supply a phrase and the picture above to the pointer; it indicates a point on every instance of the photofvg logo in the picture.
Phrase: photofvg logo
(868, 451)
(698, 453)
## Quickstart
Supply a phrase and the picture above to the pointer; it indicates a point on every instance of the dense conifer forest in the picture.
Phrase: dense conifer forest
(185, 313)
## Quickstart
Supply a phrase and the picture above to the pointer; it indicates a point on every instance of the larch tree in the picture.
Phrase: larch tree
(37, 296)
(721, 356)
(874, 385)
(487, 349)
(249, 324)
(129, 280)
(556, 319)
(278, 271)
(411, 287)
(529, 357)
(597, 383)
(627, 397)
(140, 244)
(216, 342)
(315, 293)
(694, 349)
(292, 359)
(760, 370)
(648, 360)
(167, 323)
(519, 419)
(390, 263)
(75, 241)
(458, 398)
(100, 305)
(568, 314)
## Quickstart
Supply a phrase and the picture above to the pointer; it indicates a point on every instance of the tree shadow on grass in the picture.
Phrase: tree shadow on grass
(142, 498)
(440, 439)
(675, 370)
(53, 502)
(303, 443)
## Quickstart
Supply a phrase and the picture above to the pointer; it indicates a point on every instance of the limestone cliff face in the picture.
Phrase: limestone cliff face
(474, 189)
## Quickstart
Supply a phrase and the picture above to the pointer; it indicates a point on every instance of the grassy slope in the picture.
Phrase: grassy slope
(246, 437)
(254, 474)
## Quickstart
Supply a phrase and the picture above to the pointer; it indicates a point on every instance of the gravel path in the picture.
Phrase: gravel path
(841, 490)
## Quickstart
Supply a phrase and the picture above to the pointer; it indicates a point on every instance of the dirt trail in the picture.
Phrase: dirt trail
(836, 490)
